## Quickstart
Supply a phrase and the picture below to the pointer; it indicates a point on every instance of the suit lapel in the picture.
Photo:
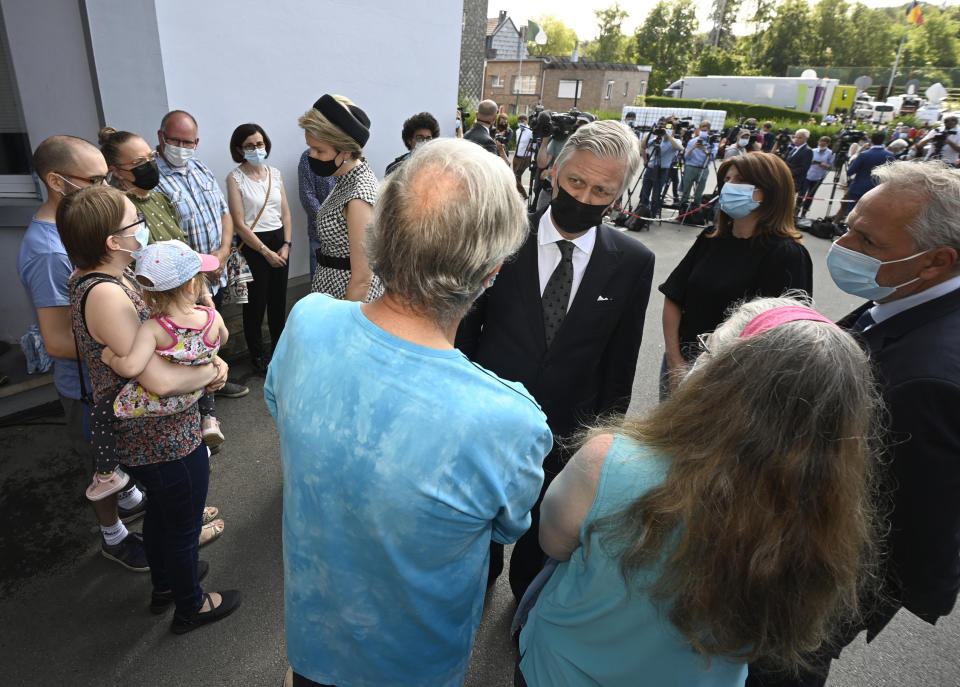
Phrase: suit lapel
(528, 278)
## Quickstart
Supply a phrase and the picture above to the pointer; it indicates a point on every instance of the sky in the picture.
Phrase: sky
(579, 15)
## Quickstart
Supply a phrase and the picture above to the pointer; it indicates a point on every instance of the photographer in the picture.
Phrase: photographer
(769, 139)
(733, 134)
(742, 147)
(699, 153)
(659, 149)
(521, 157)
(823, 159)
(942, 144)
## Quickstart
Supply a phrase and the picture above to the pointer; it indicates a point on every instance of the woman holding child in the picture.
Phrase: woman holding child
(99, 228)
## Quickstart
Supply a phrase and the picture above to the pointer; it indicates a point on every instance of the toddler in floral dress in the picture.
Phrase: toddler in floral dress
(170, 275)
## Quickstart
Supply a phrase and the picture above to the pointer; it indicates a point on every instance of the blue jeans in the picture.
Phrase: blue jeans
(171, 527)
(654, 180)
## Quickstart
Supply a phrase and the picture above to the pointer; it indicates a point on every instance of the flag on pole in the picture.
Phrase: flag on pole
(914, 15)
(536, 34)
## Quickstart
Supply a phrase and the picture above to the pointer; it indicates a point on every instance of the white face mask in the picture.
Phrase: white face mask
(176, 156)
(743, 142)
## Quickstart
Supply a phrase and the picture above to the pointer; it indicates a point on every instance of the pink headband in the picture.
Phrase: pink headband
(773, 317)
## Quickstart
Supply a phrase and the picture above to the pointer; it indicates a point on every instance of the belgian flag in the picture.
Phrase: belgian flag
(914, 15)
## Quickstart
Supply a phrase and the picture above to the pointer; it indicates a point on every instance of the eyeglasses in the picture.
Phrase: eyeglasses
(141, 219)
(422, 139)
(703, 340)
(181, 142)
(254, 146)
(139, 161)
(96, 180)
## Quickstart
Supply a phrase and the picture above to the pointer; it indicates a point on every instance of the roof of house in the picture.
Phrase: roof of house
(563, 62)
(492, 25)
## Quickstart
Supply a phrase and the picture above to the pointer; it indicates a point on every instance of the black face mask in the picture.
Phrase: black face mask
(146, 176)
(571, 215)
(323, 168)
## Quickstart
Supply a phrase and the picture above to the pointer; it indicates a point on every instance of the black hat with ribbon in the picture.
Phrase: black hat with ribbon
(349, 118)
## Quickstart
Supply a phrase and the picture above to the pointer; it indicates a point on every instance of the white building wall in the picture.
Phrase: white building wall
(227, 62)
(246, 61)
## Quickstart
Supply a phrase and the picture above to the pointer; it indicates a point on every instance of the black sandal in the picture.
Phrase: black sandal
(229, 602)
(161, 601)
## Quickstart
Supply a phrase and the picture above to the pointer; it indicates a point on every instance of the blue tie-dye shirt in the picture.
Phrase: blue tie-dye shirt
(400, 463)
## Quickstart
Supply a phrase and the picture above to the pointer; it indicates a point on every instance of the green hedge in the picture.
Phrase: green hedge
(734, 110)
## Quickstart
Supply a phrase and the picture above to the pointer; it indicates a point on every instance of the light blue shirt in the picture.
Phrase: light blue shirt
(668, 154)
(44, 268)
(400, 464)
(816, 172)
(697, 157)
(588, 629)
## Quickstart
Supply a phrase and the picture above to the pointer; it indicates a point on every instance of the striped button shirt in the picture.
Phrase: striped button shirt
(199, 202)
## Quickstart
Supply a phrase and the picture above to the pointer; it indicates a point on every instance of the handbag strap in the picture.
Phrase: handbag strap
(266, 199)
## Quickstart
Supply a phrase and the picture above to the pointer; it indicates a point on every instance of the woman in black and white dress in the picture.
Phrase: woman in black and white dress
(336, 131)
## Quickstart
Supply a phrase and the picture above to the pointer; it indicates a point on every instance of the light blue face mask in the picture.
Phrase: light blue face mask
(856, 273)
(142, 236)
(737, 200)
(256, 156)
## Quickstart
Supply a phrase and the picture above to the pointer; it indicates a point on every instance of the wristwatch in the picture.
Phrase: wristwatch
(287, 243)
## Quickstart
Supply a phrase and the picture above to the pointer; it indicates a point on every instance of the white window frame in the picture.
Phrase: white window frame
(530, 79)
(643, 88)
(496, 81)
(609, 92)
(570, 88)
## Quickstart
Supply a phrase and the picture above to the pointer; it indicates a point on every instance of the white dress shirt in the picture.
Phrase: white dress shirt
(548, 254)
(884, 311)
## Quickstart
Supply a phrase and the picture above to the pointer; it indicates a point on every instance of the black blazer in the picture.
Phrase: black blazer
(799, 163)
(589, 368)
(479, 135)
(917, 361)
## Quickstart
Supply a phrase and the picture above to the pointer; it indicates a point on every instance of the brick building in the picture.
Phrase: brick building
(559, 84)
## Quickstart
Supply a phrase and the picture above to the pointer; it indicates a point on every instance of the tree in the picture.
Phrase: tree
(609, 46)
(718, 61)
(561, 39)
(787, 39)
(872, 40)
(830, 30)
(724, 16)
(666, 40)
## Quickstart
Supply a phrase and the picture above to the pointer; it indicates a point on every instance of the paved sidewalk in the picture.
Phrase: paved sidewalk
(70, 617)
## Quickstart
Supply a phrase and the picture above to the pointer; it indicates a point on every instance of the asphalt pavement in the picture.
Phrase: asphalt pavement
(70, 617)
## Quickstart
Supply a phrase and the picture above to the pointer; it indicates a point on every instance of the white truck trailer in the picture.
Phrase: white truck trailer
(798, 93)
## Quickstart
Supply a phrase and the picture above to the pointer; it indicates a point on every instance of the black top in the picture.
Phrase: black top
(717, 273)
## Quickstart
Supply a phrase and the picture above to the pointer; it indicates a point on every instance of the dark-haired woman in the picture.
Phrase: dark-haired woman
(336, 131)
(261, 218)
(754, 251)
(721, 526)
(133, 169)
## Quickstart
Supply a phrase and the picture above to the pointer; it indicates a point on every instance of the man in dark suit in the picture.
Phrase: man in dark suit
(799, 156)
(565, 318)
(911, 325)
(862, 166)
(479, 133)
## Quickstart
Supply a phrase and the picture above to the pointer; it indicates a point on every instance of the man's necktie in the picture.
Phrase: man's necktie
(864, 321)
(556, 295)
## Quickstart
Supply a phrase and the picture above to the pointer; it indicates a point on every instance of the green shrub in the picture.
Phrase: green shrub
(734, 110)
